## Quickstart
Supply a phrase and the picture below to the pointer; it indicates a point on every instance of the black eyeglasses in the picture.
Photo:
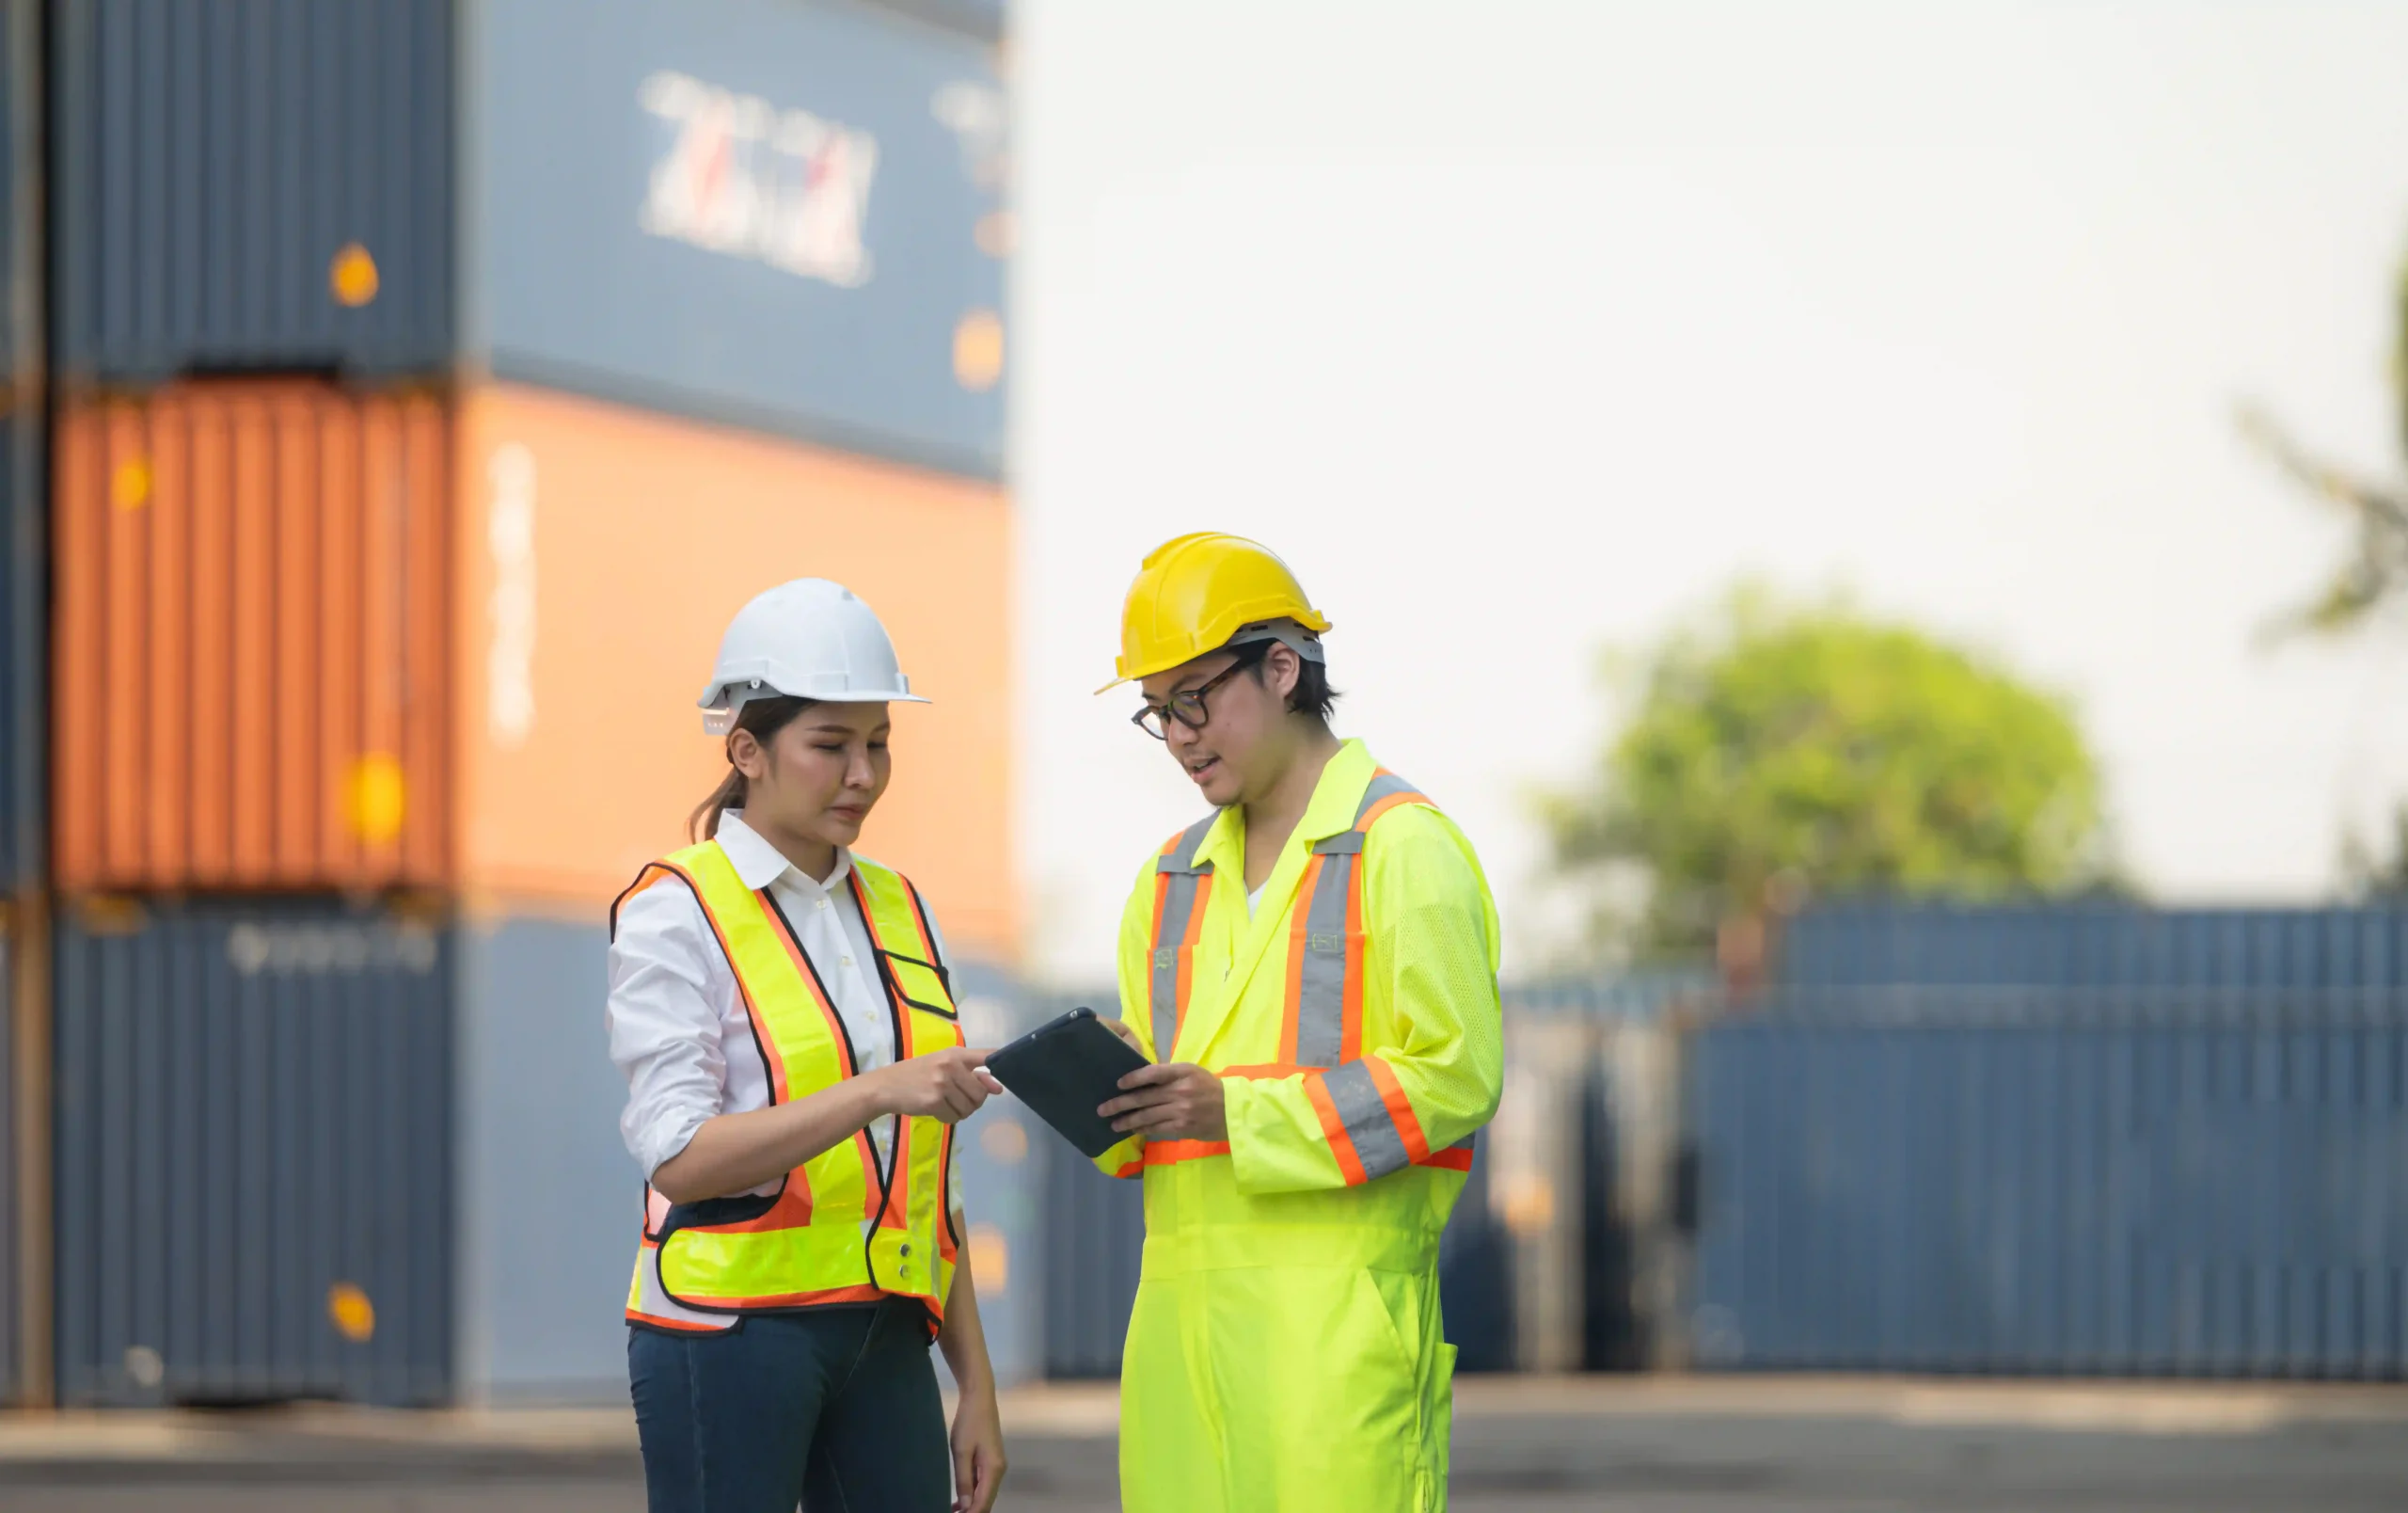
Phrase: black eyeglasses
(1187, 705)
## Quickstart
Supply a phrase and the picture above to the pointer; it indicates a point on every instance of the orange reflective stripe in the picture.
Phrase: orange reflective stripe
(1372, 814)
(899, 1187)
(1400, 1108)
(1170, 1153)
(683, 1326)
(1454, 1158)
(806, 1299)
(1333, 1125)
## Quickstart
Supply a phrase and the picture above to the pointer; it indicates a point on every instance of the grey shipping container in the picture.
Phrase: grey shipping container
(2150, 1182)
(253, 186)
(551, 1203)
(253, 1157)
(763, 213)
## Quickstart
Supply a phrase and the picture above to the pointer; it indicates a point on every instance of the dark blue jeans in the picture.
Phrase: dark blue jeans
(835, 1409)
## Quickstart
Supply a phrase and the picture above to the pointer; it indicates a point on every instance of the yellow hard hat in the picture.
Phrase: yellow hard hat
(1194, 592)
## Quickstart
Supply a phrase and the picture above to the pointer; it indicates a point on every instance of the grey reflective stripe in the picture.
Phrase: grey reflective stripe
(1378, 1145)
(1180, 878)
(1321, 979)
(1386, 785)
(1464, 1144)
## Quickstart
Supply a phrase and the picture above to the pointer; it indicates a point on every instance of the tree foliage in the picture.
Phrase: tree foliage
(1774, 749)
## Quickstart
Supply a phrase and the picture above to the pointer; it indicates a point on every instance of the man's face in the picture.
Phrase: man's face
(1241, 699)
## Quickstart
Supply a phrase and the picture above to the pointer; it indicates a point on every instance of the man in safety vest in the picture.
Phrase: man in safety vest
(1312, 971)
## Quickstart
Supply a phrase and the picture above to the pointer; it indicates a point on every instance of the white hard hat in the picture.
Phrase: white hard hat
(809, 639)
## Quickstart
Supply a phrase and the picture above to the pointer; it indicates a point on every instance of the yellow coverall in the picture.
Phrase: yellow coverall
(1286, 1351)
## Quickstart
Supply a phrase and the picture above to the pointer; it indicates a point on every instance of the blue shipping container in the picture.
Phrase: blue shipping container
(2085, 945)
(761, 212)
(2166, 1182)
(247, 188)
(253, 1158)
(21, 181)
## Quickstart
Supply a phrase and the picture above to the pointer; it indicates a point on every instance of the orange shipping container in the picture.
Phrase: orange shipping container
(252, 632)
(602, 552)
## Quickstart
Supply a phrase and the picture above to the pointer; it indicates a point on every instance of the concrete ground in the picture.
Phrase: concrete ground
(1523, 1445)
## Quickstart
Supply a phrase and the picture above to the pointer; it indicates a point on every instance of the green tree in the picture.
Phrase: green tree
(1774, 749)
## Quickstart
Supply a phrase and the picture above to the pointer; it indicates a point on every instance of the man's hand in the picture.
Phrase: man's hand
(1178, 1102)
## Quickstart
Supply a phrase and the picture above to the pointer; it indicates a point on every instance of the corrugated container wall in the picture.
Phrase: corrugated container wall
(262, 186)
(2097, 946)
(254, 1155)
(2150, 1183)
(590, 606)
(24, 612)
(252, 656)
(788, 217)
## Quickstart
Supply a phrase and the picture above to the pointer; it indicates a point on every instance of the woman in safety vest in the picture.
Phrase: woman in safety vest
(781, 1011)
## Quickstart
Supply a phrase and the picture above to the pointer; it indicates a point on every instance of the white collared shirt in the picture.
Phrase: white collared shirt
(678, 1029)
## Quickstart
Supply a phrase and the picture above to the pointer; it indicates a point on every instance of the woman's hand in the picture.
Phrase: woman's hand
(977, 1451)
(947, 1085)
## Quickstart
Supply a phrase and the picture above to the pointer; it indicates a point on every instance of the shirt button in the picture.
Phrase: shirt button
(823, 903)
(846, 960)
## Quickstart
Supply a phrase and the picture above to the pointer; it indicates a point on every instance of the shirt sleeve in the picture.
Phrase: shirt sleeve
(1128, 1158)
(1434, 940)
(664, 1022)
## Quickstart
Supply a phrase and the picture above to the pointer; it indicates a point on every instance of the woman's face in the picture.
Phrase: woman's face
(819, 778)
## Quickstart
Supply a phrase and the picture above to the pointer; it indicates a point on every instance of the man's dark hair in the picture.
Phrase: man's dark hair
(1312, 694)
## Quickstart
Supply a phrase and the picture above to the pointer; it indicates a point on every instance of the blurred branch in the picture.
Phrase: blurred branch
(2376, 569)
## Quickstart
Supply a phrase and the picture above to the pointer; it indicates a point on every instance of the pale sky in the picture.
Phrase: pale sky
(1521, 328)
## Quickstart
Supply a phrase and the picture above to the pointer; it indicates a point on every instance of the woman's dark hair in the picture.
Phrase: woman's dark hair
(762, 719)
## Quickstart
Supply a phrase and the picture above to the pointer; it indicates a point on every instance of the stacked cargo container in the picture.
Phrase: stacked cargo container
(433, 380)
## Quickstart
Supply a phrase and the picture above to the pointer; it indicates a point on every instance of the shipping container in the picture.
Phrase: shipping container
(999, 1168)
(1095, 1228)
(2154, 1181)
(14, 1216)
(24, 626)
(21, 195)
(2097, 945)
(254, 1171)
(602, 552)
(777, 214)
(259, 187)
(551, 1201)
(253, 618)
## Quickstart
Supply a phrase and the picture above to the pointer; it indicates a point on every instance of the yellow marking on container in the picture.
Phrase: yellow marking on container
(375, 797)
(130, 486)
(978, 350)
(353, 276)
(353, 1315)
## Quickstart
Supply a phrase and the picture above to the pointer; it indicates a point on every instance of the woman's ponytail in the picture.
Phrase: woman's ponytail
(762, 719)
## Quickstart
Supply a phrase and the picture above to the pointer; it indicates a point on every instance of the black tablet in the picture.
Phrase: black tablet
(1064, 1069)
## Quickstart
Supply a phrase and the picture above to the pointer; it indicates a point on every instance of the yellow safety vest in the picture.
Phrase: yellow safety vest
(839, 1229)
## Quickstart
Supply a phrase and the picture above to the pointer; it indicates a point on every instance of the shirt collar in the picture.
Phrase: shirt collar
(758, 864)
(1336, 797)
